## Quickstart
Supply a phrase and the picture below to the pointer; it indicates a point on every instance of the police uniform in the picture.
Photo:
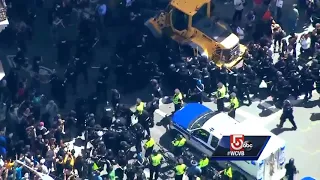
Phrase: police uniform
(140, 108)
(221, 93)
(198, 91)
(234, 104)
(287, 113)
(180, 169)
(143, 116)
(155, 165)
(82, 67)
(178, 144)
(227, 173)
(203, 164)
(101, 88)
(71, 77)
(177, 101)
(149, 146)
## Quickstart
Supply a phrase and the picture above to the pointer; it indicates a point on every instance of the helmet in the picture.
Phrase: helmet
(154, 151)
(193, 163)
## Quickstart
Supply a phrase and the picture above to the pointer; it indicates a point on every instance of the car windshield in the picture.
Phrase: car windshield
(201, 120)
(201, 14)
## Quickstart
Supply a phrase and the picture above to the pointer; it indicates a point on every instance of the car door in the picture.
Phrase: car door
(199, 139)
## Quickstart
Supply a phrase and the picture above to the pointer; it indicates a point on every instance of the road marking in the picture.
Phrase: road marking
(300, 148)
(312, 125)
(161, 113)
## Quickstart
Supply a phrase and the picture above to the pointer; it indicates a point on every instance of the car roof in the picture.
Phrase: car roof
(189, 7)
(188, 113)
(218, 124)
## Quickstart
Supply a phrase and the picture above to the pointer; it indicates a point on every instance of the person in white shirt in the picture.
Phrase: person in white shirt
(238, 6)
(279, 5)
(305, 42)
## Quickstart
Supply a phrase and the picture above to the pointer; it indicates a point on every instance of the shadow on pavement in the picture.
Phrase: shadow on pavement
(315, 117)
(164, 122)
(278, 131)
(166, 138)
(309, 104)
(265, 113)
(268, 108)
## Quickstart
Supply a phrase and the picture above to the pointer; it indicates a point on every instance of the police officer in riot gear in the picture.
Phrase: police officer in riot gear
(71, 77)
(307, 83)
(287, 113)
(93, 103)
(157, 92)
(101, 87)
(82, 68)
(104, 71)
(206, 80)
(115, 98)
(107, 116)
(63, 51)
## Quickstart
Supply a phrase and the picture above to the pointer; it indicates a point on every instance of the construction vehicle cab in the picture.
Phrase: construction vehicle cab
(189, 23)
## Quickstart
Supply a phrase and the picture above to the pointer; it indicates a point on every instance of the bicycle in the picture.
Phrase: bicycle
(168, 156)
(187, 154)
(212, 172)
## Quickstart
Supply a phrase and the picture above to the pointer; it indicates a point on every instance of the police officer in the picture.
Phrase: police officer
(203, 164)
(291, 169)
(194, 170)
(244, 89)
(139, 107)
(148, 145)
(155, 164)
(234, 104)
(307, 84)
(227, 172)
(220, 95)
(142, 115)
(115, 98)
(178, 144)
(71, 77)
(105, 70)
(206, 80)
(82, 68)
(287, 113)
(63, 48)
(157, 92)
(93, 103)
(198, 94)
(180, 169)
(177, 100)
(101, 87)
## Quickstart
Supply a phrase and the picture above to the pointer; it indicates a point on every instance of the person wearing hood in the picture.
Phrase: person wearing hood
(194, 170)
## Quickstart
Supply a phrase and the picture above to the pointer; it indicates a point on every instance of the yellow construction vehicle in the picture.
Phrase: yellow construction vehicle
(189, 22)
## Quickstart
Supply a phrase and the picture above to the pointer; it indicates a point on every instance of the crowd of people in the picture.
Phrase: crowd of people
(34, 132)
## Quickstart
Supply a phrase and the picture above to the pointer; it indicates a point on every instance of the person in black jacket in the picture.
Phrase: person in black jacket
(287, 113)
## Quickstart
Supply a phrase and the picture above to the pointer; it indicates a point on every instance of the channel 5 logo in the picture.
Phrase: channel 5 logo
(238, 143)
